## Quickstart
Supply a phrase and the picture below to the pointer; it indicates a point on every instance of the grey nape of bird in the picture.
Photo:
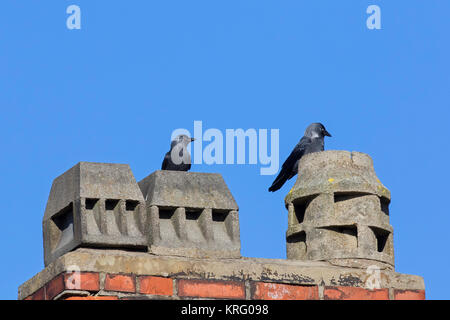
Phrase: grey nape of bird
(178, 157)
(312, 141)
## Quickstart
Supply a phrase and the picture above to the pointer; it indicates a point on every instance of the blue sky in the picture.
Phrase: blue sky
(116, 89)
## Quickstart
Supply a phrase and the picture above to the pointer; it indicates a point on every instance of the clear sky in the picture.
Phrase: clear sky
(115, 90)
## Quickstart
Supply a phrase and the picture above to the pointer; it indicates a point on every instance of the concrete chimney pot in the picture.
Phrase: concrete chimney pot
(94, 205)
(338, 211)
(191, 214)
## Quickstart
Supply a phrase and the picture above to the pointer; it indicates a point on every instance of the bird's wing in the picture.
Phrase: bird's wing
(288, 169)
(165, 161)
(296, 154)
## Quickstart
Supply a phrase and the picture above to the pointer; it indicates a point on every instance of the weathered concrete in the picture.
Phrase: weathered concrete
(191, 214)
(339, 211)
(194, 190)
(94, 204)
(248, 269)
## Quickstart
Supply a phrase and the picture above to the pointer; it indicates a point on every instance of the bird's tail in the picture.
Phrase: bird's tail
(279, 181)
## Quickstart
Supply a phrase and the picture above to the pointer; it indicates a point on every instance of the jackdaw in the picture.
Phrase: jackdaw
(178, 157)
(312, 141)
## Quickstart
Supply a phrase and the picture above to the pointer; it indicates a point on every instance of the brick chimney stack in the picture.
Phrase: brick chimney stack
(175, 235)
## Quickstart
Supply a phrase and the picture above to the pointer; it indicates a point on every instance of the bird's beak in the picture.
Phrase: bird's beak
(192, 139)
(326, 133)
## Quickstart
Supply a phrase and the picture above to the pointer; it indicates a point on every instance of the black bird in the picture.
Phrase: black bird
(178, 157)
(312, 141)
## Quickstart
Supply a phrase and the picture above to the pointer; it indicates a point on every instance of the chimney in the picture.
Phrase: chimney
(191, 214)
(175, 235)
(339, 212)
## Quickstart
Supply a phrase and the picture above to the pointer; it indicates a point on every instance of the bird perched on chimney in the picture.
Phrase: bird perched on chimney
(178, 157)
(312, 141)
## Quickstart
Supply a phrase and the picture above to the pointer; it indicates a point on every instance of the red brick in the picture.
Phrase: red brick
(156, 285)
(88, 281)
(54, 287)
(409, 294)
(354, 293)
(120, 282)
(38, 295)
(93, 298)
(279, 291)
(211, 289)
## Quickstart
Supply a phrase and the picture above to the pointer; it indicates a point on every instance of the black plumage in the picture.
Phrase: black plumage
(178, 157)
(312, 141)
